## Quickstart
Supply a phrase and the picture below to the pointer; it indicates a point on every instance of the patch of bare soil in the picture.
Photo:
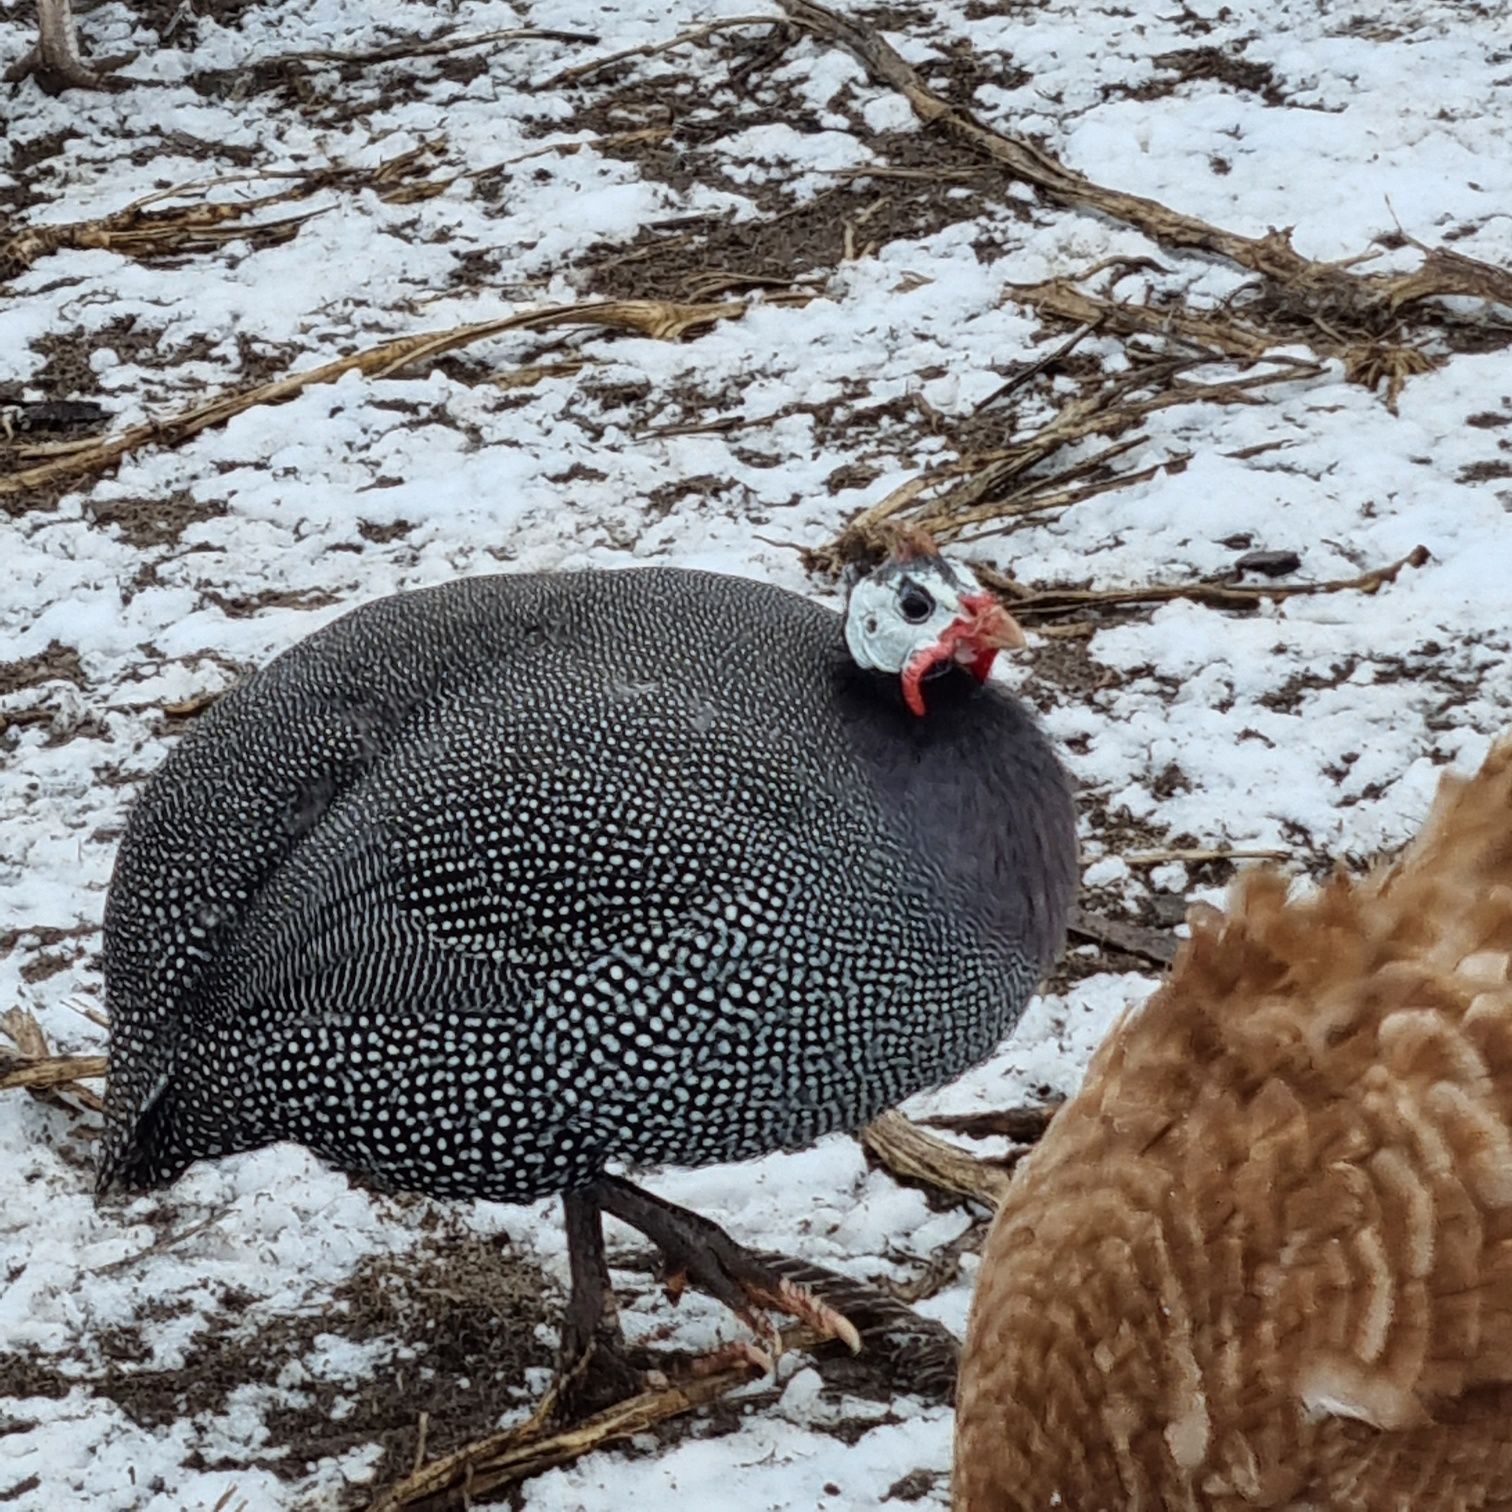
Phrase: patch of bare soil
(1220, 65)
(461, 1318)
(1488, 471)
(963, 71)
(249, 605)
(33, 418)
(166, 16)
(25, 186)
(924, 182)
(145, 521)
(461, 1313)
(69, 371)
(48, 964)
(42, 703)
(906, 200)
(914, 1486)
(57, 663)
(68, 379)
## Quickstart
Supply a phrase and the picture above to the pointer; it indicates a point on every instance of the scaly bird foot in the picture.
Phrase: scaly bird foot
(699, 1252)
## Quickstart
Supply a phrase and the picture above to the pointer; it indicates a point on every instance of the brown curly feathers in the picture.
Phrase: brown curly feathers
(1264, 1258)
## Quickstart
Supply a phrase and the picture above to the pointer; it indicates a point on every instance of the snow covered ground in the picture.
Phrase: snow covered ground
(205, 1348)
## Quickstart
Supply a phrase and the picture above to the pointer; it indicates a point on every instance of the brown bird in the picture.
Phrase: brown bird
(1264, 1258)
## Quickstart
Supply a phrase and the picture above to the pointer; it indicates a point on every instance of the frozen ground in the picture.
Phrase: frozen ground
(268, 1331)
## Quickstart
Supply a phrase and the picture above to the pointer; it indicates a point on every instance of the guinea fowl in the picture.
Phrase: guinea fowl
(1264, 1258)
(486, 887)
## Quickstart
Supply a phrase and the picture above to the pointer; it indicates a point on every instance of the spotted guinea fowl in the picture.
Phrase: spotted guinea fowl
(486, 887)
(1264, 1258)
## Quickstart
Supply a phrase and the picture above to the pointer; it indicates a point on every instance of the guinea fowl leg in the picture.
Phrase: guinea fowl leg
(593, 1370)
(696, 1250)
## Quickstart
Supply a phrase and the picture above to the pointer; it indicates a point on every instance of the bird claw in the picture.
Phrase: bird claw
(798, 1302)
(767, 1291)
(786, 1297)
(763, 1353)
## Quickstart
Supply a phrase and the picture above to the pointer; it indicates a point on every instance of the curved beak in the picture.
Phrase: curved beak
(972, 639)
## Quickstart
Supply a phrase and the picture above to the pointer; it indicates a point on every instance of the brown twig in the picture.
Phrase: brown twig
(422, 1429)
(1368, 300)
(928, 1163)
(942, 1266)
(907, 1151)
(1444, 273)
(580, 71)
(1270, 254)
(93, 1014)
(1210, 331)
(162, 1245)
(54, 1071)
(195, 704)
(1153, 945)
(1032, 370)
(1026, 1125)
(438, 45)
(1058, 601)
(25, 1033)
(1198, 855)
(657, 319)
(981, 493)
(139, 230)
(131, 233)
(38, 1070)
(515, 1453)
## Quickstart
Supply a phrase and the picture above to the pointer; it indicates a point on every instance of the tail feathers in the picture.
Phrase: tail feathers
(156, 1146)
(134, 1155)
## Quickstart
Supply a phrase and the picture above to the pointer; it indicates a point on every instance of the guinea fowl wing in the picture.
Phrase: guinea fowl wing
(549, 914)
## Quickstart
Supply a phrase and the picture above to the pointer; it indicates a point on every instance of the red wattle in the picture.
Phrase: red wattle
(913, 677)
(981, 663)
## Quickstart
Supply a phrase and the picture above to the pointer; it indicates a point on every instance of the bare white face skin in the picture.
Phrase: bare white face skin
(921, 614)
(904, 608)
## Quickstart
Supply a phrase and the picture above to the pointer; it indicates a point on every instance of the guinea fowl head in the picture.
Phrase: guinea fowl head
(919, 614)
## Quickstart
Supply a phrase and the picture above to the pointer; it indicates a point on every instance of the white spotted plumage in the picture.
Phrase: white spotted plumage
(486, 885)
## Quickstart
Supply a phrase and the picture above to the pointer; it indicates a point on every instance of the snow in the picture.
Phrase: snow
(1317, 726)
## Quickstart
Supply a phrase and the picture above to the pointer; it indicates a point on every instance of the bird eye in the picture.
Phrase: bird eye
(914, 603)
